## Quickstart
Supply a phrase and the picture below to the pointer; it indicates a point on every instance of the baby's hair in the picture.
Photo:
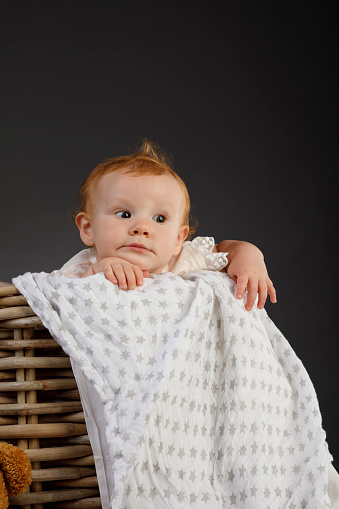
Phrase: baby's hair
(149, 159)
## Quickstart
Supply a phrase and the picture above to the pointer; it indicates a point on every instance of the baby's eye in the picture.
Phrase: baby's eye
(159, 218)
(124, 214)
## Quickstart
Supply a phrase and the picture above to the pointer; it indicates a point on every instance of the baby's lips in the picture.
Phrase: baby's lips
(138, 247)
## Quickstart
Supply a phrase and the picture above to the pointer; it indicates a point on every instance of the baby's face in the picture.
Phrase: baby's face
(137, 218)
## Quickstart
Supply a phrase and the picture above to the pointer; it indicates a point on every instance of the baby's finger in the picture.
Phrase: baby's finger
(241, 287)
(109, 274)
(252, 290)
(262, 294)
(139, 275)
(271, 291)
(120, 276)
(130, 277)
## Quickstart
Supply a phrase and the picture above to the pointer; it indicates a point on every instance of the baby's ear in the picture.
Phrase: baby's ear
(83, 222)
(182, 234)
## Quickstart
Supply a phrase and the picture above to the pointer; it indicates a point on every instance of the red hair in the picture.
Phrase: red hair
(148, 160)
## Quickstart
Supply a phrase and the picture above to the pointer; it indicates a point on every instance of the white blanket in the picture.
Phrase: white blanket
(204, 404)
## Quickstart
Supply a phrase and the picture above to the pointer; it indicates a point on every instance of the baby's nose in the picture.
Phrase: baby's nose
(140, 229)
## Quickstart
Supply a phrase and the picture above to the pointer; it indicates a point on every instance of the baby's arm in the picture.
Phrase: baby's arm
(247, 268)
(119, 272)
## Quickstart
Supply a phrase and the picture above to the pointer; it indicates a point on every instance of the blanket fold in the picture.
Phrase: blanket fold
(204, 404)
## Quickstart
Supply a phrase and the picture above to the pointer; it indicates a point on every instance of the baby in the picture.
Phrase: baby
(189, 400)
(135, 214)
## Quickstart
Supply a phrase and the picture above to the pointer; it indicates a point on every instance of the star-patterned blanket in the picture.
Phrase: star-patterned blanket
(204, 404)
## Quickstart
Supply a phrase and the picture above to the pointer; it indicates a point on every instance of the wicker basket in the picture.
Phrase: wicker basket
(41, 411)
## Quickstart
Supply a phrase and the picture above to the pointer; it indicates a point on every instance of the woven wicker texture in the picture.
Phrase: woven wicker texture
(41, 411)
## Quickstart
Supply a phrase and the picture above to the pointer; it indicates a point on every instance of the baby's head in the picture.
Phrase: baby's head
(135, 207)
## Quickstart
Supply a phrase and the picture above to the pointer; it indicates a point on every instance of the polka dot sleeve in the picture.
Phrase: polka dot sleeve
(214, 261)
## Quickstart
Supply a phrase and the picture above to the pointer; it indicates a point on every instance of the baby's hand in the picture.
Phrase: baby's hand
(247, 268)
(119, 272)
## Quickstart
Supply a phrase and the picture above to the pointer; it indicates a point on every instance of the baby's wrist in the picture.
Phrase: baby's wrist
(236, 246)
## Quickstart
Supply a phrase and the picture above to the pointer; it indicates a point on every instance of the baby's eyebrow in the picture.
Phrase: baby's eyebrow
(125, 200)
(117, 201)
(166, 203)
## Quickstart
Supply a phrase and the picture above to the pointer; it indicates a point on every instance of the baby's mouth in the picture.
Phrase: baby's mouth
(138, 247)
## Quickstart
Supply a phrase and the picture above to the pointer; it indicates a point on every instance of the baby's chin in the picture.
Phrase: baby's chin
(142, 260)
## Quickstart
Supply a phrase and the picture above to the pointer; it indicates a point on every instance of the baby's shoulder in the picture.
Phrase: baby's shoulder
(197, 255)
(78, 264)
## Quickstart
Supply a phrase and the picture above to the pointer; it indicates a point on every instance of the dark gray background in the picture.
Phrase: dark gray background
(244, 96)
